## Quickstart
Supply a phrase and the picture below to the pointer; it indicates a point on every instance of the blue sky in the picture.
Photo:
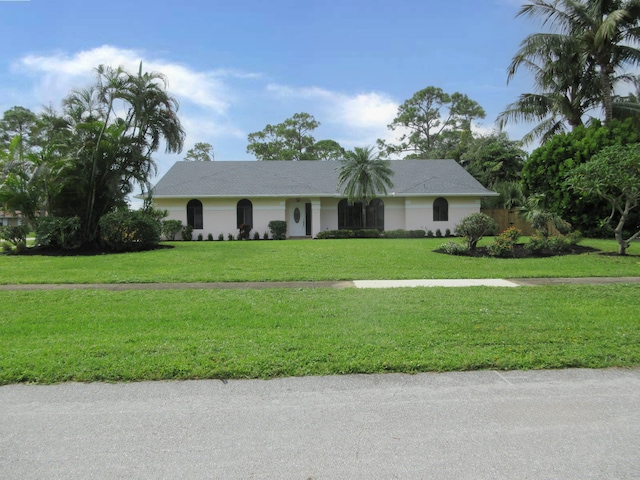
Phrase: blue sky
(236, 66)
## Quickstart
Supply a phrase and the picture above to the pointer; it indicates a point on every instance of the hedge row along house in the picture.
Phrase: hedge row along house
(217, 197)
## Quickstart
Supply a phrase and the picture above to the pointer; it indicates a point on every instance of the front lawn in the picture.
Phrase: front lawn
(307, 260)
(93, 335)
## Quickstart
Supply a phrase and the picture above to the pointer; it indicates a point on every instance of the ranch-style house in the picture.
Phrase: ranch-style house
(217, 197)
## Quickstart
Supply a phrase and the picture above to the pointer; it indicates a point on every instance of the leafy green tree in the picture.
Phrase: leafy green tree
(613, 174)
(17, 122)
(327, 150)
(363, 175)
(201, 152)
(289, 140)
(86, 161)
(494, 159)
(475, 226)
(546, 170)
(434, 121)
(603, 33)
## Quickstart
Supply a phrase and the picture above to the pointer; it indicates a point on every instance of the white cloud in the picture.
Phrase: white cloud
(60, 72)
(359, 118)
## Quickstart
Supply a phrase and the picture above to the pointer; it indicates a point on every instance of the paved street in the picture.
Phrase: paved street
(565, 424)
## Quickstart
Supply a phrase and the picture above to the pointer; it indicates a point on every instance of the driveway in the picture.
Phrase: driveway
(562, 424)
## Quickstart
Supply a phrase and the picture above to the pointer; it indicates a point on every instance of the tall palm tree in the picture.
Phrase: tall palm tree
(363, 175)
(120, 122)
(606, 32)
(566, 84)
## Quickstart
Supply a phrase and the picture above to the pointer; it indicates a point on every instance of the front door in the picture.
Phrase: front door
(298, 220)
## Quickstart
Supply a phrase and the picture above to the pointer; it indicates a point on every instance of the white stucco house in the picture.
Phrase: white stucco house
(216, 197)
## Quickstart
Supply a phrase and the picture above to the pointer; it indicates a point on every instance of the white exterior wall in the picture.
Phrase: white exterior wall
(328, 214)
(413, 213)
(394, 213)
(219, 215)
(419, 213)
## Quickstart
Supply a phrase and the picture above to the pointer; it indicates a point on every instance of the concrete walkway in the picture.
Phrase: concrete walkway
(561, 424)
(489, 282)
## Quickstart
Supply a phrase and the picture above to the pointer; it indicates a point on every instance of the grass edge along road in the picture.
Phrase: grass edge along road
(317, 260)
(93, 335)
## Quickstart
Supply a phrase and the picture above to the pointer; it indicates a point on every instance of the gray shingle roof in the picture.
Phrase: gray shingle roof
(308, 178)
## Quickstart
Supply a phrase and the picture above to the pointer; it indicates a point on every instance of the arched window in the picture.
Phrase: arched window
(194, 214)
(244, 213)
(440, 210)
(375, 214)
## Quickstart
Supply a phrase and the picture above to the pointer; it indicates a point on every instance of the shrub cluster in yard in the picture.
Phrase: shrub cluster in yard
(362, 233)
(16, 235)
(400, 233)
(278, 229)
(129, 231)
(503, 244)
(170, 228)
(453, 248)
(552, 245)
(475, 226)
(63, 232)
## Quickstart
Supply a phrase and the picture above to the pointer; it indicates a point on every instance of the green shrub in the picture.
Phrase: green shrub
(256, 235)
(220, 237)
(187, 233)
(265, 236)
(447, 233)
(438, 233)
(243, 231)
(332, 234)
(475, 226)
(401, 233)
(129, 231)
(230, 237)
(278, 229)
(367, 233)
(504, 243)
(453, 248)
(171, 228)
(429, 234)
(200, 237)
(14, 234)
(61, 232)
(552, 245)
(210, 237)
(6, 247)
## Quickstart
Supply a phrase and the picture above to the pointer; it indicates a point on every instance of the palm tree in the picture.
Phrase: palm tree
(363, 175)
(606, 32)
(114, 149)
(566, 85)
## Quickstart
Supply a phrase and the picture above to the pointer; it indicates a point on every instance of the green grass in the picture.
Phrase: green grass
(93, 335)
(306, 260)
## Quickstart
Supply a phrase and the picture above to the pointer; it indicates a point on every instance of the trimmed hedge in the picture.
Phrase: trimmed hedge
(404, 233)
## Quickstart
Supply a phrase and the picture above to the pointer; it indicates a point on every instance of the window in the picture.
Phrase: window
(350, 215)
(440, 210)
(244, 213)
(194, 214)
(375, 214)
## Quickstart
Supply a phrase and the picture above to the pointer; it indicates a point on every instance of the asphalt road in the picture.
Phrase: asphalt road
(564, 424)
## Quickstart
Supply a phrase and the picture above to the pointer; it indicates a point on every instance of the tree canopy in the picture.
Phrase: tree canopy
(546, 170)
(85, 161)
(201, 152)
(363, 175)
(613, 174)
(437, 125)
(293, 140)
(576, 64)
